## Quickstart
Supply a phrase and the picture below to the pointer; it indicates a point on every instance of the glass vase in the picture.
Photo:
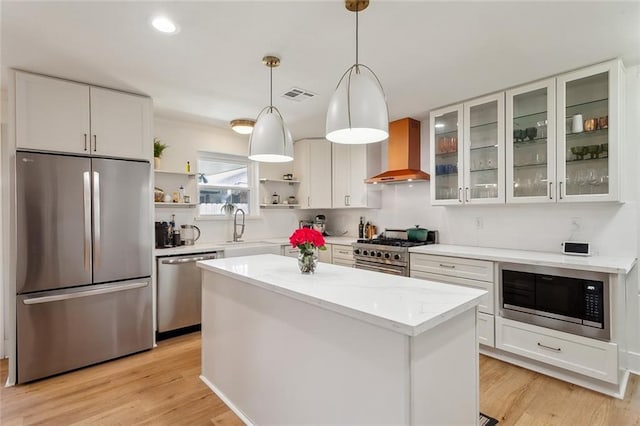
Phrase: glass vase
(307, 261)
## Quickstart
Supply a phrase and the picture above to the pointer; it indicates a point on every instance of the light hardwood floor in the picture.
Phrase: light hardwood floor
(161, 386)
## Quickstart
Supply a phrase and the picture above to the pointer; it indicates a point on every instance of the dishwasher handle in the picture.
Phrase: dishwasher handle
(188, 259)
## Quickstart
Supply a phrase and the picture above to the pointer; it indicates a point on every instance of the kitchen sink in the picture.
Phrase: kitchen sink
(247, 248)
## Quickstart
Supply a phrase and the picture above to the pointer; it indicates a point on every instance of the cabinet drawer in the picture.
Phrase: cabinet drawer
(290, 251)
(486, 330)
(472, 269)
(342, 262)
(579, 354)
(342, 252)
(486, 303)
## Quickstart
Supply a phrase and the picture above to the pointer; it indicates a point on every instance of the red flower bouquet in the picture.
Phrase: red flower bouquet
(307, 239)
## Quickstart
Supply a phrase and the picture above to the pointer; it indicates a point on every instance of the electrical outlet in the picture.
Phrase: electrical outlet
(478, 222)
(576, 224)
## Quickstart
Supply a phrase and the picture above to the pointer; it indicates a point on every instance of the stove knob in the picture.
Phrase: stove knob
(373, 253)
(356, 251)
(396, 257)
(387, 255)
(364, 252)
(378, 254)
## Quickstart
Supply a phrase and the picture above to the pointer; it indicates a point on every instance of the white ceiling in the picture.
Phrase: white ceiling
(426, 54)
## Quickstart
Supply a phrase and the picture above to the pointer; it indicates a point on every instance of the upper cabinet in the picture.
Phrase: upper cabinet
(351, 165)
(531, 146)
(555, 140)
(120, 124)
(63, 116)
(588, 133)
(312, 166)
(467, 153)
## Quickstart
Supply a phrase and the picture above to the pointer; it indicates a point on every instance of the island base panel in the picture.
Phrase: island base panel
(278, 360)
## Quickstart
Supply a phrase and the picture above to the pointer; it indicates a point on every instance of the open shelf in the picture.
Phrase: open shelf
(176, 205)
(483, 147)
(168, 172)
(599, 132)
(588, 103)
(290, 182)
(279, 206)
(478, 126)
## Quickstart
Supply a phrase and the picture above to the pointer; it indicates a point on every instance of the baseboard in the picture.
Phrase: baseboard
(633, 362)
(226, 400)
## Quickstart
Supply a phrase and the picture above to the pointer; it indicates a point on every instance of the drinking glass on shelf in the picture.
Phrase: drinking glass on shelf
(453, 144)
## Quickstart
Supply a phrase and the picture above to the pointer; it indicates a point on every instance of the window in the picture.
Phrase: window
(226, 183)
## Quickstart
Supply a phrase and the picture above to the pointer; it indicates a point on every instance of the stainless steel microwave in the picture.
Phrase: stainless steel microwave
(568, 300)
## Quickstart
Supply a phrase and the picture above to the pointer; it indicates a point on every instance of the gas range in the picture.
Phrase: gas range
(389, 255)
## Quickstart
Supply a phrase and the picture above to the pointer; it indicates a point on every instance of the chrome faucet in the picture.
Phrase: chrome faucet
(236, 235)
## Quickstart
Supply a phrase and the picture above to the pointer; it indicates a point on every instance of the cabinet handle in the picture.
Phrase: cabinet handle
(308, 201)
(460, 194)
(549, 347)
(343, 252)
(448, 266)
(550, 189)
(95, 143)
(85, 141)
(466, 190)
(346, 203)
(348, 200)
(560, 192)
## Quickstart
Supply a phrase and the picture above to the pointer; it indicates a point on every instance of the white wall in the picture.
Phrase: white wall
(185, 139)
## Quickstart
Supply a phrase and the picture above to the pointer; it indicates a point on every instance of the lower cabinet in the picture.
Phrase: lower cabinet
(287, 250)
(325, 256)
(590, 357)
(342, 255)
(467, 273)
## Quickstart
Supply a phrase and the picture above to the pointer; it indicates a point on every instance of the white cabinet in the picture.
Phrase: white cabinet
(563, 137)
(342, 255)
(351, 165)
(467, 153)
(120, 124)
(63, 116)
(465, 272)
(590, 357)
(51, 114)
(531, 147)
(588, 161)
(312, 166)
(325, 256)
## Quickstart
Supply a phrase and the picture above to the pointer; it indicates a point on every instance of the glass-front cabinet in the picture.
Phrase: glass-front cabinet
(446, 134)
(484, 150)
(587, 133)
(530, 147)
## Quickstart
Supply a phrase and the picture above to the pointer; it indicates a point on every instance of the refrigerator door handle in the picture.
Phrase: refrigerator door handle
(86, 201)
(96, 219)
(95, 292)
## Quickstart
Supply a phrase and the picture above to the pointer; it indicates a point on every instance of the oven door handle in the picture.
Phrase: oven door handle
(377, 268)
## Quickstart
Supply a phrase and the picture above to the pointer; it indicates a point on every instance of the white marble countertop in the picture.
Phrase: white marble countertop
(606, 264)
(405, 305)
(218, 246)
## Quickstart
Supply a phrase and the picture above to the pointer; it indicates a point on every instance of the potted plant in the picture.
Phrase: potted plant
(158, 149)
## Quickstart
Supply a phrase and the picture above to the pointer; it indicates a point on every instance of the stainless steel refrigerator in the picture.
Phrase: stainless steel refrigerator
(84, 242)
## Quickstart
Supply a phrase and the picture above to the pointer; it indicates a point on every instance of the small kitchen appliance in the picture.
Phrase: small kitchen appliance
(319, 224)
(189, 234)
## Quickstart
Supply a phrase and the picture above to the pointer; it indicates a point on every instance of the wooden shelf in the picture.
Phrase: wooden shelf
(167, 172)
(176, 205)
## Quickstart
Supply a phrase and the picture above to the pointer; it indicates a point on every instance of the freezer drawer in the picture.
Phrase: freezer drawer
(180, 291)
(62, 330)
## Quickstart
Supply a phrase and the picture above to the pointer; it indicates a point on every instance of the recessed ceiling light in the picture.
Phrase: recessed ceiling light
(164, 25)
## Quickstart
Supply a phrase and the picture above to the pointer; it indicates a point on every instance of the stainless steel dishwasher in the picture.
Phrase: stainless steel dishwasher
(179, 293)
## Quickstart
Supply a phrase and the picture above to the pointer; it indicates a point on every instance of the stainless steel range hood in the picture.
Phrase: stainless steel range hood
(403, 154)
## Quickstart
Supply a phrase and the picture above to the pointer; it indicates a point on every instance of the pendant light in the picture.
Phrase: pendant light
(270, 141)
(358, 111)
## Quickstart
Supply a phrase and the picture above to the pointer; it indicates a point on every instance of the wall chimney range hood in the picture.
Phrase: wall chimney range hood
(403, 154)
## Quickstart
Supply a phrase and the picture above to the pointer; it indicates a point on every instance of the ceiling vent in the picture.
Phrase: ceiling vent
(297, 94)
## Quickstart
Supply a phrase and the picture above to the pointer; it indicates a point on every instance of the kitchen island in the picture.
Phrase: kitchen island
(342, 346)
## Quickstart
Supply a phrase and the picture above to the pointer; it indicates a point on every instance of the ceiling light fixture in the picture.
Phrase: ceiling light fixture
(244, 126)
(358, 111)
(271, 140)
(164, 25)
